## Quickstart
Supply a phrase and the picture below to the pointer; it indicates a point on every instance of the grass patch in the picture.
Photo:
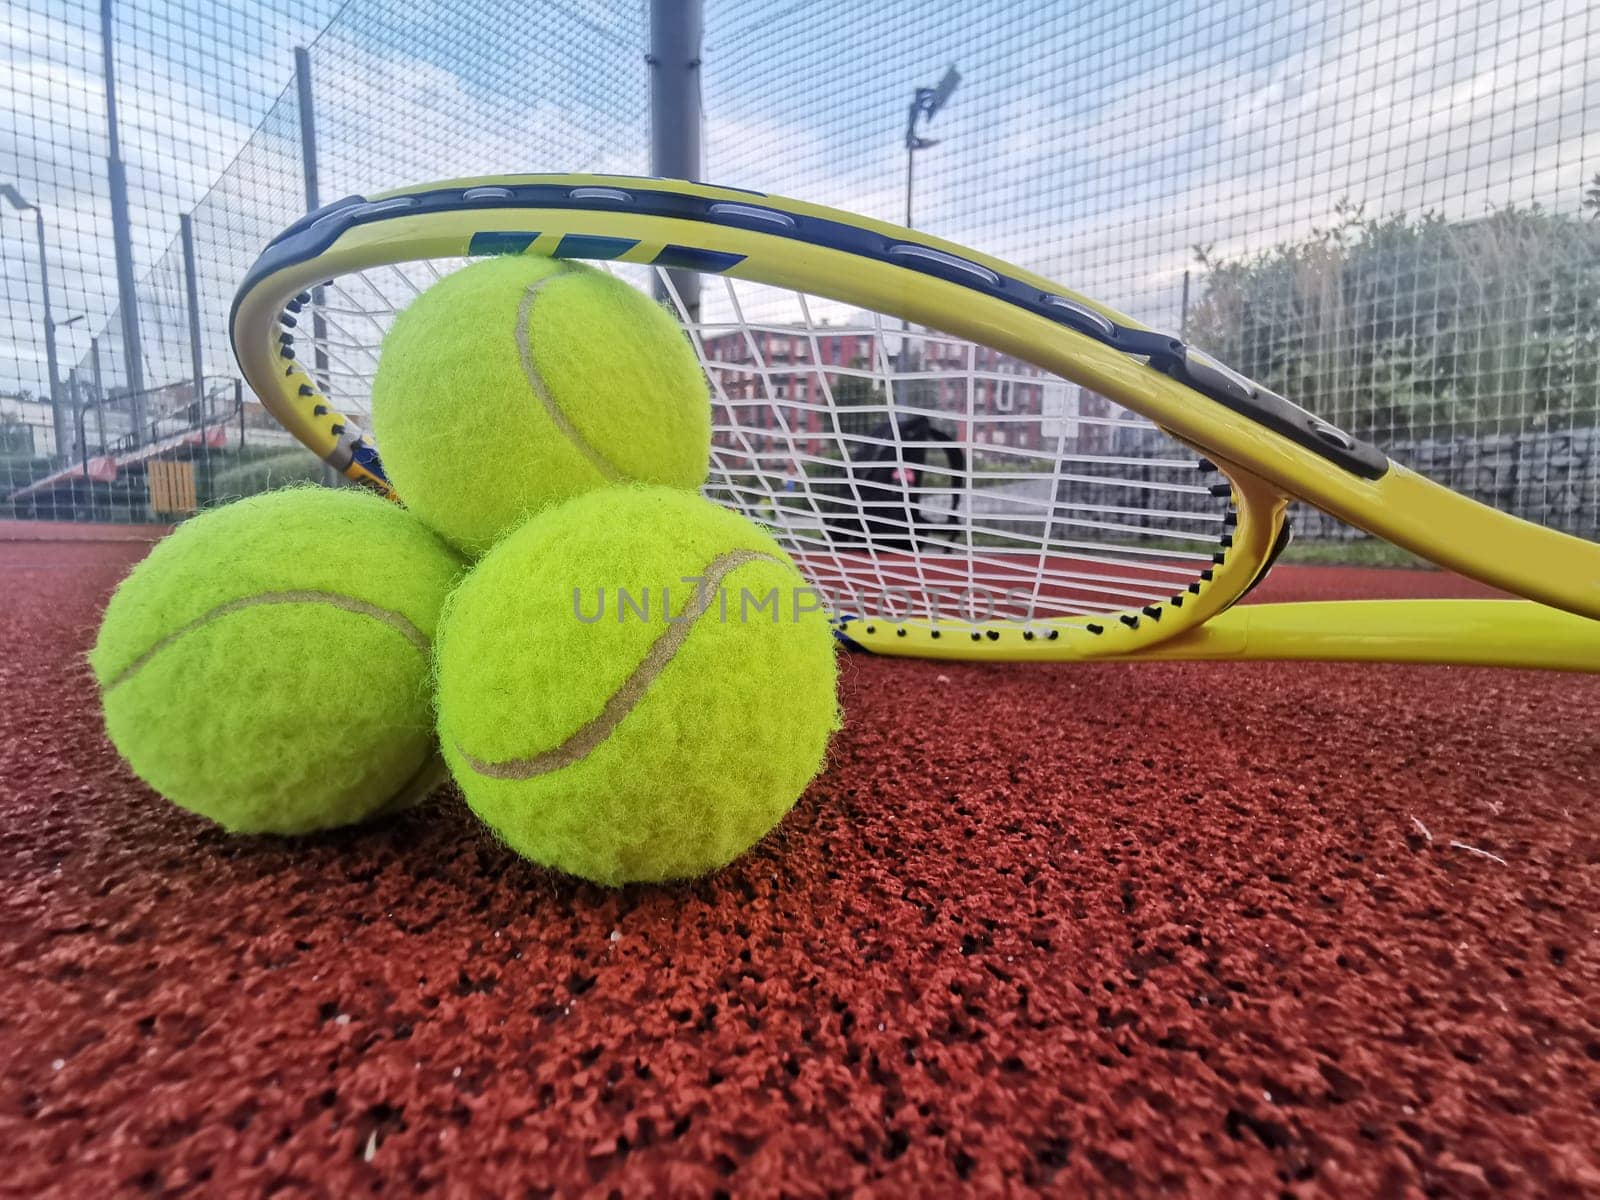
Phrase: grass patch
(1361, 552)
(263, 474)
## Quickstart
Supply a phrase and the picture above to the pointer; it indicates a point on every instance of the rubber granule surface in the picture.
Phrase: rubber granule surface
(1183, 928)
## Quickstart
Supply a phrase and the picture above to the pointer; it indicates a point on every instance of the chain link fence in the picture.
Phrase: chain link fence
(1390, 214)
(216, 149)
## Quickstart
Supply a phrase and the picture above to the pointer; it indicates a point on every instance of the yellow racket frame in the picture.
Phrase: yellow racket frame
(939, 284)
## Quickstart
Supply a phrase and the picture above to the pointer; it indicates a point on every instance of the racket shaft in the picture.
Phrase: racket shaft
(1488, 633)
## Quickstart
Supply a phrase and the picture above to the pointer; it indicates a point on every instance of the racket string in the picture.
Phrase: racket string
(920, 476)
(912, 475)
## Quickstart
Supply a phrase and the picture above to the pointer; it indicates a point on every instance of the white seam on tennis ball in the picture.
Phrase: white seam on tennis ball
(621, 702)
(394, 620)
(552, 410)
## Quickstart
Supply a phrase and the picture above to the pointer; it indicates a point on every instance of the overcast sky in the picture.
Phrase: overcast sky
(1095, 142)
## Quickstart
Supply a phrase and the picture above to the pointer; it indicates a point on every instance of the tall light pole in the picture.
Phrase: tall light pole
(674, 62)
(121, 230)
(924, 104)
(14, 198)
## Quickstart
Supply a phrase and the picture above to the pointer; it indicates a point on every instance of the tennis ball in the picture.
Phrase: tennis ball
(521, 381)
(634, 686)
(268, 664)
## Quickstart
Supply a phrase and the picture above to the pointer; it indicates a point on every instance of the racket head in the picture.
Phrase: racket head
(885, 561)
(931, 522)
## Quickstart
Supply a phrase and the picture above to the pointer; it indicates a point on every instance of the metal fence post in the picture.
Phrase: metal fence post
(57, 416)
(196, 362)
(99, 394)
(76, 401)
(308, 167)
(674, 60)
(122, 229)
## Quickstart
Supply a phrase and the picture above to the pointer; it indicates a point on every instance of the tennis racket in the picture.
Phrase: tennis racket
(967, 460)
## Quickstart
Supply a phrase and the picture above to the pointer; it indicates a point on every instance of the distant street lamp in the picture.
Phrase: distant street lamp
(14, 198)
(926, 102)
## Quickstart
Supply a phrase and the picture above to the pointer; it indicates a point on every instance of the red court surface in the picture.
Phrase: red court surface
(1115, 929)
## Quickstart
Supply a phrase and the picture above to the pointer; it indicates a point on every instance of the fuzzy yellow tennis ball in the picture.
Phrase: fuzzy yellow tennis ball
(521, 381)
(634, 686)
(269, 664)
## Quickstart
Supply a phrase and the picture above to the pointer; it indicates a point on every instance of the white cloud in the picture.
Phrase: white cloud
(1099, 158)
(1090, 149)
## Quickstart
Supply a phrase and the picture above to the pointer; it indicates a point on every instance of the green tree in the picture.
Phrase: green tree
(1400, 326)
(858, 404)
(16, 439)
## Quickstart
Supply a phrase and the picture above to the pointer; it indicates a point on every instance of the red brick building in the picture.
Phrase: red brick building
(787, 389)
